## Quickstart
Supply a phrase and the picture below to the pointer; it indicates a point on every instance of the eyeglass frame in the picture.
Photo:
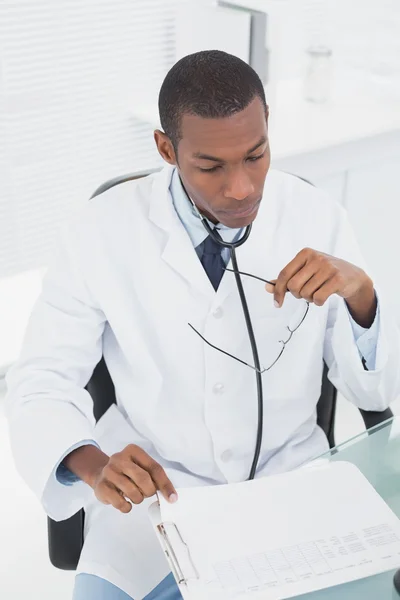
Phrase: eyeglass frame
(283, 342)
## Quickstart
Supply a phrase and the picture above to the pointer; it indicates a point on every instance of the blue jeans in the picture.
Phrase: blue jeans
(90, 587)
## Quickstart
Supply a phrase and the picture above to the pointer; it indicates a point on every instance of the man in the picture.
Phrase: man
(134, 270)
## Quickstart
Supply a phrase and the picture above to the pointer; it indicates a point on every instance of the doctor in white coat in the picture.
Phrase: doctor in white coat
(134, 268)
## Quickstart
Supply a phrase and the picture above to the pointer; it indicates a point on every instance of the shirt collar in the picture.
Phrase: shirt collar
(190, 219)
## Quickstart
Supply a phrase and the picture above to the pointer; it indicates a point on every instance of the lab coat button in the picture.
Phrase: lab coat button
(226, 456)
(218, 313)
(218, 388)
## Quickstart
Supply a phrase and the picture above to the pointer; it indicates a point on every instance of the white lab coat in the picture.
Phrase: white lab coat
(126, 283)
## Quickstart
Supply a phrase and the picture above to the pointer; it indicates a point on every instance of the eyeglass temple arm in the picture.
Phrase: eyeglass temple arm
(265, 281)
(223, 351)
(250, 275)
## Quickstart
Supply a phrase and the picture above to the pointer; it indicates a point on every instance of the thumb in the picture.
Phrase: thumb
(270, 287)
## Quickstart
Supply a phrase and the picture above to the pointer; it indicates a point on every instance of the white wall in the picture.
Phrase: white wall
(70, 75)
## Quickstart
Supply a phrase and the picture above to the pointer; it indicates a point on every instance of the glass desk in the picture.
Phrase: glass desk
(377, 454)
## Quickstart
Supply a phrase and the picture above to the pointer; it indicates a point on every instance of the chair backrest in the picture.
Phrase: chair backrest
(101, 389)
(326, 408)
(122, 179)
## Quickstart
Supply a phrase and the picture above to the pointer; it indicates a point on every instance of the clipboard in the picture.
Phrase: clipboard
(176, 550)
(290, 549)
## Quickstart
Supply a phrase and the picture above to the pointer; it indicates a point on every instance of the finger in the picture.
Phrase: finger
(123, 463)
(313, 285)
(157, 474)
(139, 477)
(127, 487)
(298, 281)
(270, 287)
(280, 290)
(162, 482)
(115, 479)
(107, 493)
(325, 291)
(286, 274)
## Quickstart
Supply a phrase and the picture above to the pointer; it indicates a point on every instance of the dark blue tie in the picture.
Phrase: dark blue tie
(212, 260)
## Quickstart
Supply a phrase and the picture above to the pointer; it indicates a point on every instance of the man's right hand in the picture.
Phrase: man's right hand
(127, 475)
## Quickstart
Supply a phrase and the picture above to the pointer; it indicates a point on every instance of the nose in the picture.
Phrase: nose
(239, 185)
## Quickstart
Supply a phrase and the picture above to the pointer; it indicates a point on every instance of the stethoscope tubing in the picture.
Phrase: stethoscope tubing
(260, 402)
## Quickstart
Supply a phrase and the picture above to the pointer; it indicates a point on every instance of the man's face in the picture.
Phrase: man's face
(223, 164)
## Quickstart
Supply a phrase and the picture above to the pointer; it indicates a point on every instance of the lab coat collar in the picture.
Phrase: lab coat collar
(178, 249)
(190, 218)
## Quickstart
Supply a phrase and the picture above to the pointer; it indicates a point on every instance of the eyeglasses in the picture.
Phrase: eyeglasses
(278, 348)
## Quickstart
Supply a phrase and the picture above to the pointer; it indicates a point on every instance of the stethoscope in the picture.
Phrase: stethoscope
(258, 370)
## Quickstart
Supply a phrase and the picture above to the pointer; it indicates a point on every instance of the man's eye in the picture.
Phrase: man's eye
(210, 170)
(213, 169)
(254, 158)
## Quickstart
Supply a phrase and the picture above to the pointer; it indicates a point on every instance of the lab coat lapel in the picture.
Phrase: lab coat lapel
(178, 251)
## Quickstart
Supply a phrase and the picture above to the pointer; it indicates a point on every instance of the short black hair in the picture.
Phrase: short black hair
(209, 84)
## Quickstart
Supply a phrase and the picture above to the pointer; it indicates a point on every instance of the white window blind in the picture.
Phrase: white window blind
(70, 74)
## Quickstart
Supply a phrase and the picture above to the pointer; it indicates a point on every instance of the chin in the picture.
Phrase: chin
(239, 222)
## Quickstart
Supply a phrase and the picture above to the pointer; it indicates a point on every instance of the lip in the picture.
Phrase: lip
(243, 213)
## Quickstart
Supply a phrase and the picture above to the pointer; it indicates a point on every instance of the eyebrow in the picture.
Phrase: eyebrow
(216, 159)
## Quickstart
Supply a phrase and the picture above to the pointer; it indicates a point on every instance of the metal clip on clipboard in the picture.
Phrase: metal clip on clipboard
(167, 530)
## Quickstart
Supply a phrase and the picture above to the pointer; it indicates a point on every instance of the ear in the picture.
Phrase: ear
(165, 147)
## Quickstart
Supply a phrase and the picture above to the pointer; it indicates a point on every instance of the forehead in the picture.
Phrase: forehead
(224, 137)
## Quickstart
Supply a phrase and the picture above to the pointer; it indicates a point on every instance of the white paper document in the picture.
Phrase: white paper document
(281, 536)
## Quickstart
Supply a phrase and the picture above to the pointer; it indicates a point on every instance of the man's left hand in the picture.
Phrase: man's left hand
(315, 276)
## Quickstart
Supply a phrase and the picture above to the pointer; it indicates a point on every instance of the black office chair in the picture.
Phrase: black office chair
(65, 538)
